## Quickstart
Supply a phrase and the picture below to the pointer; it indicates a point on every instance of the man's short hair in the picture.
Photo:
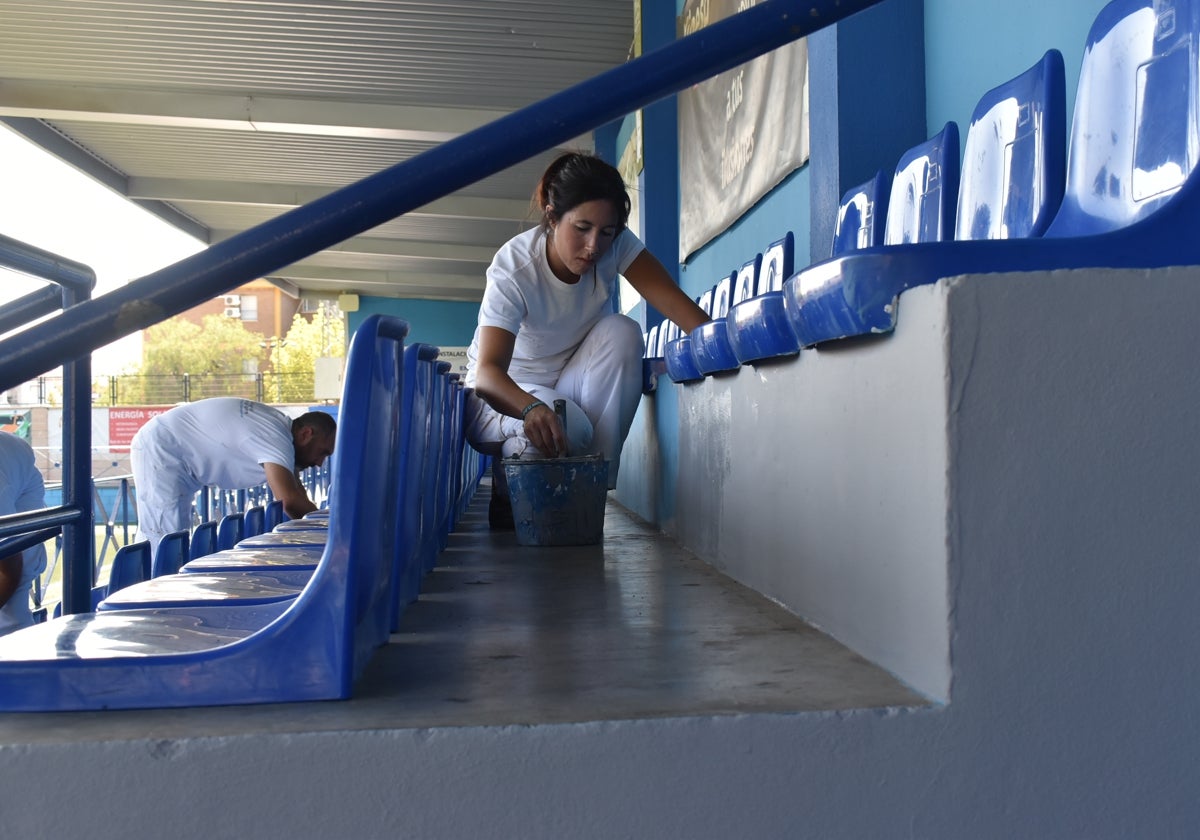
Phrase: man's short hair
(319, 421)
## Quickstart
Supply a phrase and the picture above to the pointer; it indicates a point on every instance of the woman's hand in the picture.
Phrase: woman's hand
(544, 431)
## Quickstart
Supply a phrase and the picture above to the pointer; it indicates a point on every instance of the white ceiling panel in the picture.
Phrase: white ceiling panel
(220, 114)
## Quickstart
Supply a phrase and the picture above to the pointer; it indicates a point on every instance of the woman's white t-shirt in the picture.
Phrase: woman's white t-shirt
(550, 318)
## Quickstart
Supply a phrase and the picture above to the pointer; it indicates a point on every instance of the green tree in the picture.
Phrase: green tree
(219, 357)
(294, 360)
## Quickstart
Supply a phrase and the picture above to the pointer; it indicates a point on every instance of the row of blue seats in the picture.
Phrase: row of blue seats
(1120, 192)
(293, 612)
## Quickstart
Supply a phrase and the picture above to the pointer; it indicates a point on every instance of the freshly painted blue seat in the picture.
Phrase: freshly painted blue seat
(1012, 186)
(231, 530)
(130, 565)
(254, 521)
(285, 535)
(757, 327)
(423, 434)
(310, 647)
(171, 554)
(414, 407)
(862, 216)
(441, 486)
(273, 515)
(679, 356)
(204, 539)
(457, 445)
(303, 524)
(654, 364)
(710, 341)
(924, 193)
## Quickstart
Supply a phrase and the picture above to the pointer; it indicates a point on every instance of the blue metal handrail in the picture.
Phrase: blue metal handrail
(350, 211)
(75, 282)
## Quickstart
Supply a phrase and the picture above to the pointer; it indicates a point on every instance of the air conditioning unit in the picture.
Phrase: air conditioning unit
(233, 300)
(233, 312)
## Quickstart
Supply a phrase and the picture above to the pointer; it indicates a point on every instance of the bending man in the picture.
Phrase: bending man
(223, 442)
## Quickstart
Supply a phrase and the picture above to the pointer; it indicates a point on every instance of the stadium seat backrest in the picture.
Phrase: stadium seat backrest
(720, 297)
(862, 215)
(778, 262)
(924, 191)
(1134, 132)
(1014, 156)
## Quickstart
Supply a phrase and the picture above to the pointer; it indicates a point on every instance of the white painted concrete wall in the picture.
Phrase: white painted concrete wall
(1071, 585)
(821, 482)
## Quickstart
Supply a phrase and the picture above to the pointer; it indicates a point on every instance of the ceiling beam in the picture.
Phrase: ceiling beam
(358, 279)
(40, 134)
(294, 195)
(370, 246)
(270, 114)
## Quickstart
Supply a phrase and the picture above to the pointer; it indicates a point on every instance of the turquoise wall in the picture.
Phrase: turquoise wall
(972, 47)
(438, 322)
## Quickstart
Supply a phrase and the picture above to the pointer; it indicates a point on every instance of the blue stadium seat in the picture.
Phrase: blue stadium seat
(1014, 158)
(305, 523)
(310, 647)
(1013, 183)
(679, 356)
(924, 193)
(440, 486)
(414, 404)
(204, 539)
(171, 554)
(757, 327)
(710, 341)
(254, 521)
(862, 216)
(231, 530)
(130, 565)
(424, 435)
(654, 364)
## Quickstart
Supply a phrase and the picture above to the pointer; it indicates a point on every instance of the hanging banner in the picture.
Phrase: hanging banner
(740, 133)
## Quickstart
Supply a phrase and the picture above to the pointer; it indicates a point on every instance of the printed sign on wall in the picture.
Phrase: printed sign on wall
(740, 133)
(124, 422)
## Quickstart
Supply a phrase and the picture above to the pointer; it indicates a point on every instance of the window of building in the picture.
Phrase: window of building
(249, 308)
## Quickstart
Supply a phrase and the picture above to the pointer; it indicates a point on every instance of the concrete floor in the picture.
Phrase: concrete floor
(503, 634)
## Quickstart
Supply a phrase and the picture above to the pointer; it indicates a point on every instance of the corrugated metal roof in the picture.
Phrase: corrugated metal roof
(220, 114)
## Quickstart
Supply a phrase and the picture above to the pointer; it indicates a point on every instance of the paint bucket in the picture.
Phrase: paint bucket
(558, 501)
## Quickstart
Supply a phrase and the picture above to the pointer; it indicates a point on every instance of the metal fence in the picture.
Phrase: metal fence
(168, 389)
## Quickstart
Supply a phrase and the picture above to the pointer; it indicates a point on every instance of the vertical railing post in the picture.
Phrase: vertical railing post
(124, 511)
(187, 388)
(78, 536)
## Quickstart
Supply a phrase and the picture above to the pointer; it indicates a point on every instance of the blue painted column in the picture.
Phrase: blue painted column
(866, 104)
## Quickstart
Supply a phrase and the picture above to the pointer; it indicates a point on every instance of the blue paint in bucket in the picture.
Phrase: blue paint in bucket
(558, 501)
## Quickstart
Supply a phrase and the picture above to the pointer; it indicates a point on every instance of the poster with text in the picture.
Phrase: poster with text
(740, 133)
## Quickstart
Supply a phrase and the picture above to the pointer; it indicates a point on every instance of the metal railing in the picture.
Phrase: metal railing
(169, 388)
(72, 285)
(429, 176)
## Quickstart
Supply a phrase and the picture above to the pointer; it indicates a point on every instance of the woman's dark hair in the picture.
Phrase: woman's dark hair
(575, 178)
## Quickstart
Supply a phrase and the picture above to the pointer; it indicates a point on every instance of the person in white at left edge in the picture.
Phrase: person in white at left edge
(21, 490)
(549, 328)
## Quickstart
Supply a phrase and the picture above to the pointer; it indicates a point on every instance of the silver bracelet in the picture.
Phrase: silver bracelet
(531, 407)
